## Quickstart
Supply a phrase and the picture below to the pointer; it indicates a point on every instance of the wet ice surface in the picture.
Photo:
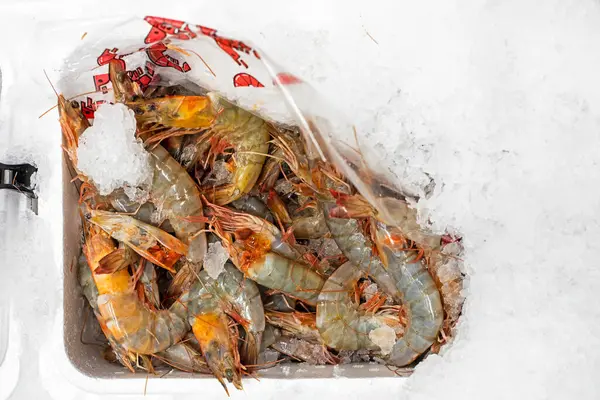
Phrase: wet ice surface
(498, 102)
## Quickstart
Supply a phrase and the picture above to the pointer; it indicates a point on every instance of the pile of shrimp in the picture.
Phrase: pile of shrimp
(315, 273)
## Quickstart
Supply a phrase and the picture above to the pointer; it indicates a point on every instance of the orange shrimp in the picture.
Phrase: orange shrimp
(130, 322)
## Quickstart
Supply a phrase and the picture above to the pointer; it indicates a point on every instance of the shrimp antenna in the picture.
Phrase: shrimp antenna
(50, 82)
(69, 99)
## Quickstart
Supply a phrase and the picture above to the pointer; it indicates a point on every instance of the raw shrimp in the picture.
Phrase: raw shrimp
(176, 196)
(132, 325)
(181, 355)
(173, 191)
(121, 258)
(264, 257)
(297, 324)
(420, 296)
(149, 285)
(399, 215)
(278, 208)
(148, 241)
(90, 292)
(123, 204)
(277, 272)
(249, 136)
(187, 112)
(124, 89)
(232, 221)
(317, 176)
(186, 275)
(280, 302)
(357, 247)
(253, 206)
(184, 357)
(344, 326)
(208, 302)
(73, 124)
(303, 350)
(346, 232)
(309, 227)
(445, 269)
(270, 171)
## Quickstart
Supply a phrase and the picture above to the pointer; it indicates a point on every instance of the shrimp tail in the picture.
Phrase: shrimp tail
(251, 348)
(350, 206)
(113, 262)
(183, 279)
(223, 194)
(232, 221)
(165, 249)
(278, 208)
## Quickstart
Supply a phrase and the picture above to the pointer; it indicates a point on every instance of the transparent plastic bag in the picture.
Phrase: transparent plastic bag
(165, 52)
(160, 52)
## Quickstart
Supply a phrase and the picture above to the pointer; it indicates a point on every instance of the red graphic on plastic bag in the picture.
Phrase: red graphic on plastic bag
(163, 27)
(143, 77)
(229, 46)
(285, 78)
(108, 55)
(156, 54)
(244, 79)
(89, 107)
(100, 83)
(101, 80)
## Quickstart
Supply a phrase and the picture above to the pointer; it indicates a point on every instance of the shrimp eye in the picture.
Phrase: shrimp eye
(75, 104)
(138, 111)
(229, 374)
(152, 107)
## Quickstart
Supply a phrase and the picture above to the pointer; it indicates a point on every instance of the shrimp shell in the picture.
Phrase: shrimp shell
(309, 227)
(300, 349)
(249, 135)
(132, 325)
(176, 196)
(423, 304)
(357, 248)
(287, 276)
(143, 238)
(342, 325)
(206, 303)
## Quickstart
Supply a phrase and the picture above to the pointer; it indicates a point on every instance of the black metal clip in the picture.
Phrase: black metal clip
(18, 178)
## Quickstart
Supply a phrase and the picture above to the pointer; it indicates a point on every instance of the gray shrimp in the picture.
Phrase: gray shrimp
(175, 194)
(300, 349)
(253, 205)
(207, 305)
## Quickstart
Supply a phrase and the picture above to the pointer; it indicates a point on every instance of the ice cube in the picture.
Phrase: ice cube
(370, 291)
(384, 337)
(215, 259)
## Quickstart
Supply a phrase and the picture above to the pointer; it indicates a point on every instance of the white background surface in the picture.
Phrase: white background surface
(498, 101)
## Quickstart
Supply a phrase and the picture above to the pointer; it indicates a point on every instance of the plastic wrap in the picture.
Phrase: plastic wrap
(163, 53)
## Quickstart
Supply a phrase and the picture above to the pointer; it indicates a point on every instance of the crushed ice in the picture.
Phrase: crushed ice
(384, 337)
(215, 259)
(110, 154)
